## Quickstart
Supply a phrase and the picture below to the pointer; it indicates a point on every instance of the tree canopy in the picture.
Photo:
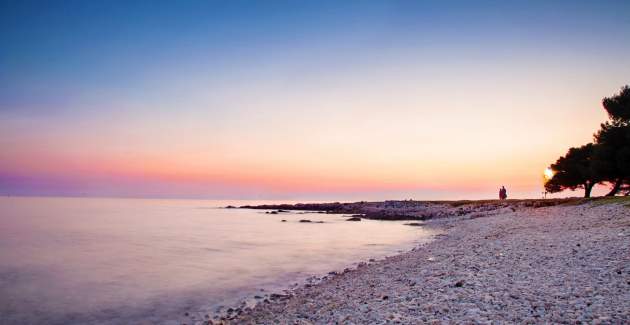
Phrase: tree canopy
(605, 160)
(573, 171)
(611, 157)
(618, 106)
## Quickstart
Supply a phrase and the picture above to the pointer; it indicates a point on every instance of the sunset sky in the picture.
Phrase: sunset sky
(301, 99)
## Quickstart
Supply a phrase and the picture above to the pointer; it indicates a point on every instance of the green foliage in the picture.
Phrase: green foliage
(573, 171)
(618, 106)
(611, 158)
(612, 153)
(608, 160)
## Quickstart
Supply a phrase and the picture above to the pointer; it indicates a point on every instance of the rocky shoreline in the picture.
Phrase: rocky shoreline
(409, 209)
(566, 263)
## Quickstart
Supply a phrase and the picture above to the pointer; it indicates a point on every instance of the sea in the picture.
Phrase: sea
(154, 261)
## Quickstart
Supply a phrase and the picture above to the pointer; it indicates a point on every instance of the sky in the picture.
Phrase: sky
(342, 100)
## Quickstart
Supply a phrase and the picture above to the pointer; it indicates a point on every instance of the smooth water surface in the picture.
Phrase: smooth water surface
(111, 261)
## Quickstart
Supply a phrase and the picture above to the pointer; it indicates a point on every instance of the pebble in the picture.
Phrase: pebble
(512, 267)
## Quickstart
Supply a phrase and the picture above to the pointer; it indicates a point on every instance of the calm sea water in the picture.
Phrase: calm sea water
(120, 261)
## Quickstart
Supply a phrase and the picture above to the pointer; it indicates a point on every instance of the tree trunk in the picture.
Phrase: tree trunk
(587, 189)
(616, 187)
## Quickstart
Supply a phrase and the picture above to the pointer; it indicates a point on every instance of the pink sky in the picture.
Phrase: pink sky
(360, 101)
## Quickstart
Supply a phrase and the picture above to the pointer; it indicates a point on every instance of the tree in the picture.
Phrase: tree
(573, 171)
(611, 157)
(618, 106)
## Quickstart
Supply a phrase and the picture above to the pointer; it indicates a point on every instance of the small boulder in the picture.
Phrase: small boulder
(353, 218)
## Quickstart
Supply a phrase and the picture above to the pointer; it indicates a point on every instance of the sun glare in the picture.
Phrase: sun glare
(548, 173)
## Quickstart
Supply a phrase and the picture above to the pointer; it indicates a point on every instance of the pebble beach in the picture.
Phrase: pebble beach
(565, 264)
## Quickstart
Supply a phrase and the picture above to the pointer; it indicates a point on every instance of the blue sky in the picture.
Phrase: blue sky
(120, 83)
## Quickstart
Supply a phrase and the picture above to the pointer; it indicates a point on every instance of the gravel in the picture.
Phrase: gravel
(561, 264)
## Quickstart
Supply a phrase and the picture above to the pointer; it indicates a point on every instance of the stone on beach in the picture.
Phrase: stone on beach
(309, 221)
(536, 264)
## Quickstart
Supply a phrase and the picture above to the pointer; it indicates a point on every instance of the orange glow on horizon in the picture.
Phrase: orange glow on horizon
(289, 177)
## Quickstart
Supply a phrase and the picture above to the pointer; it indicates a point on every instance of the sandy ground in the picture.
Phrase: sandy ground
(562, 264)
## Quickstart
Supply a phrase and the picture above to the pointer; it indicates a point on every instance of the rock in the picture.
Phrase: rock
(283, 220)
(505, 268)
(273, 212)
(309, 221)
(353, 219)
(414, 224)
(394, 215)
(230, 207)
(277, 296)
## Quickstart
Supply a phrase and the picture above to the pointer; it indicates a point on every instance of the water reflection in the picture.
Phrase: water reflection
(115, 260)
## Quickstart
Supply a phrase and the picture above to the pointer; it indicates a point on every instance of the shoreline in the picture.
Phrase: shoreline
(410, 209)
(515, 263)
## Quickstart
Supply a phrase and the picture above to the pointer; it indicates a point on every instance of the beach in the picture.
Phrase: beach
(513, 263)
(314, 162)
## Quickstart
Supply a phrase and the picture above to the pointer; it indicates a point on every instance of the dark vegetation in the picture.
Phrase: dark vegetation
(606, 160)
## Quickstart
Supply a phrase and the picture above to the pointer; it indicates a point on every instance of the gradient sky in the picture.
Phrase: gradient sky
(301, 99)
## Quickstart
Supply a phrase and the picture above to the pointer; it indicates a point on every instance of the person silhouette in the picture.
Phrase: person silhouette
(502, 193)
